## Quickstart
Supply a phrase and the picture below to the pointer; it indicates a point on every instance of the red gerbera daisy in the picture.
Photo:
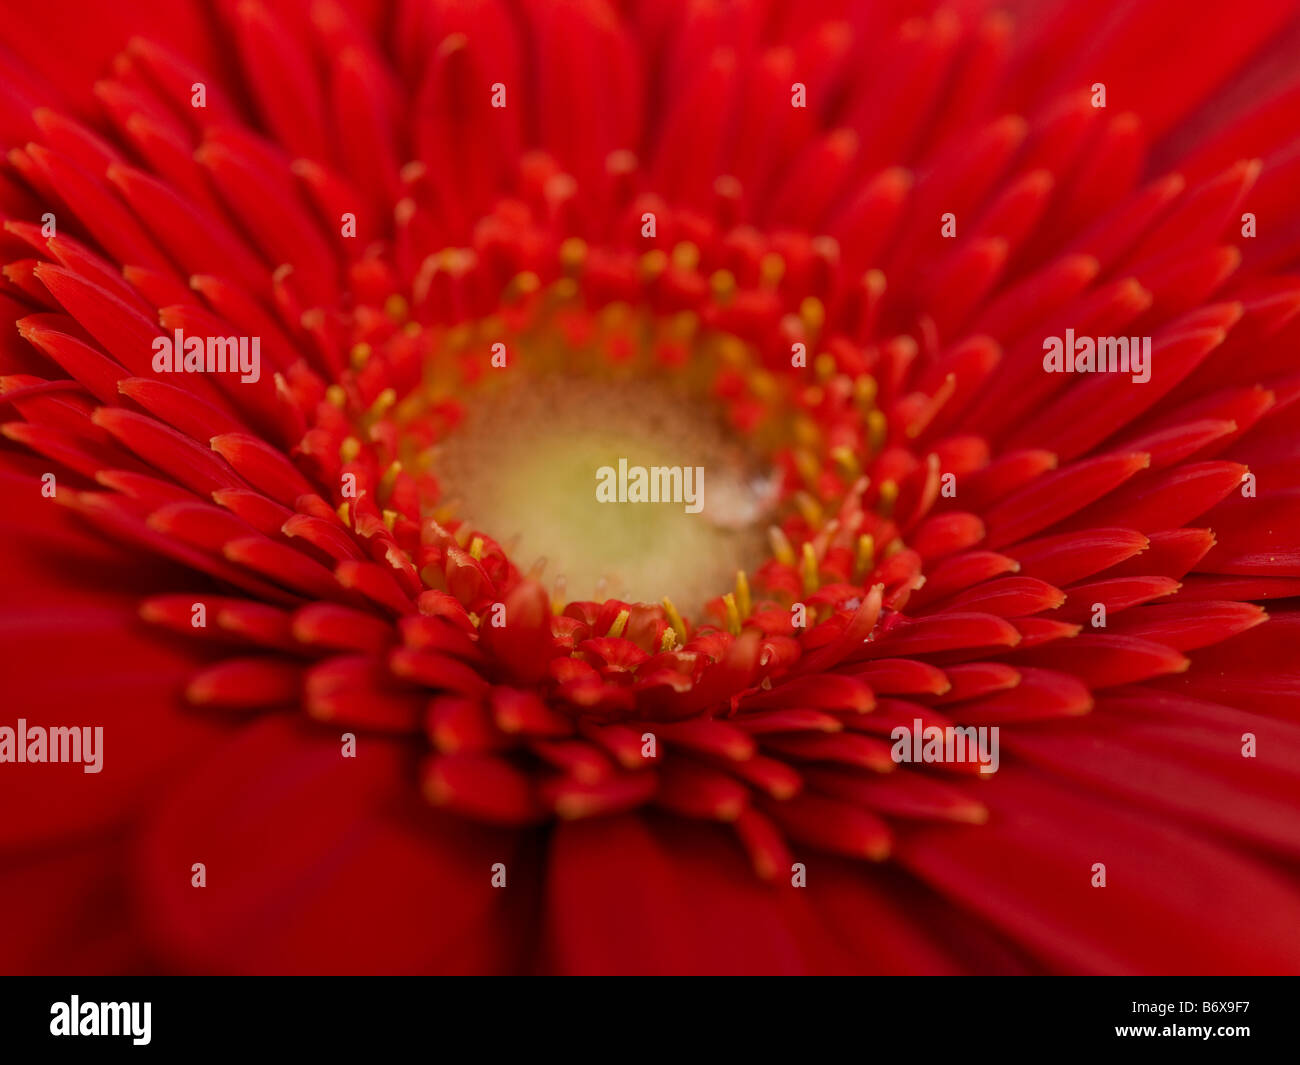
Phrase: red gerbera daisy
(383, 687)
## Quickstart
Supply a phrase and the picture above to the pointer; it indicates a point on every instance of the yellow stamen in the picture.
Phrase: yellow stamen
(813, 313)
(668, 642)
(489, 328)
(620, 624)
(573, 253)
(565, 290)
(675, 620)
(809, 468)
(476, 548)
(360, 354)
(771, 268)
(866, 560)
(888, 497)
(336, 396)
(686, 256)
(811, 582)
(383, 402)
(521, 285)
(732, 352)
(781, 548)
(723, 284)
(733, 615)
(865, 389)
(809, 508)
(805, 429)
(846, 462)
(684, 325)
(743, 602)
(350, 449)
(614, 317)
(876, 430)
(653, 263)
(763, 385)
(396, 307)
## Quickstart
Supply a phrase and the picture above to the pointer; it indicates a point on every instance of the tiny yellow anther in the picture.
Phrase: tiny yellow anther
(521, 285)
(771, 268)
(389, 478)
(564, 290)
(846, 462)
(809, 468)
(733, 615)
(781, 548)
(866, 560)
(876, 430)
(743, 601)
(888, 497)
(686, 256)
(810, 577)
(809, 509)
(684, 325)
(723, 285)
(573, 252)
(383, 403)
(806, 431)
(813, 313)
(675, 620)
(865, 389)
(654, 262)
(764, 385)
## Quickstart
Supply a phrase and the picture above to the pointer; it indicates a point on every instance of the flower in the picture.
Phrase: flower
(346, 729)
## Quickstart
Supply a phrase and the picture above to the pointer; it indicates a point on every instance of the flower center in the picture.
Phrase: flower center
(631, 452)
(607, 490)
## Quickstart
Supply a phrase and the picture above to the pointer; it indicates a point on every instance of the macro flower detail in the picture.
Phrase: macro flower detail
(385, 687)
